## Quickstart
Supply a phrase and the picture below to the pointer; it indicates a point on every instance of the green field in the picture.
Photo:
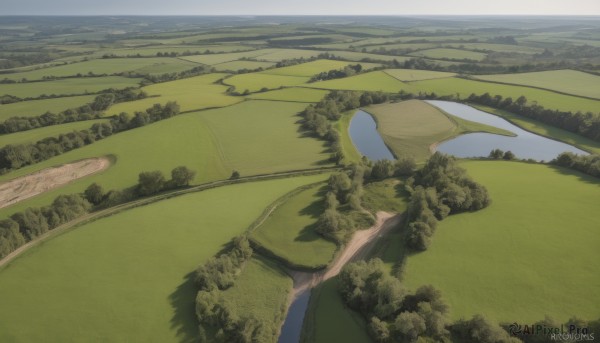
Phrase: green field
(153, 50)
(521, 49)
(156, 65)
(358, 56)
(212, 59)
(329, 319)
(412, 127)
(254, 82)
(74, 86)
(245, 135)
(32, 136)
(131, 278)
(450, 54)
(373, 81)
(261, 291)
(193, 93)
(276, 55)
(539, 230)
(315, 67)
(290, 231)
(240, 65)
(550, 100)
(564, 81)
(38, 107)
(416, 75)
(294, 94)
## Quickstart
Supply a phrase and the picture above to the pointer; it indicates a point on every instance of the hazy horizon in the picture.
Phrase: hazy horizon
(301, 8)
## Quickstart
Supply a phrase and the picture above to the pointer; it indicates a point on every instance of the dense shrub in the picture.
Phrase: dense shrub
(589, 164)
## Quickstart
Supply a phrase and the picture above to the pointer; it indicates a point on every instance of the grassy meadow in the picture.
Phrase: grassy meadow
(73, 86)
(193, 93)
(293, 94)
(38, 107)
(289, 232)
(373, 81)
(234, 66)
(131, 278)
(32, 136)
(254, 82)
(539, 230)
(416, 75)
(450, 54)
(565, 81)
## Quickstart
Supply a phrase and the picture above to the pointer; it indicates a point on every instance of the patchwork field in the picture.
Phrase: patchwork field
(315, 67)
(290, 230)
(564, 81)
(38, 107)
(544, 98)
(373, 81)
(108, 66)
(245, 134)
(32, 136)
(193, 93)
(212, 59)
(75, 86)
(294, 94)
(254, 82)
(416, 75)
(450, 54)
(241, 65)
(539, 230)
(142, 289)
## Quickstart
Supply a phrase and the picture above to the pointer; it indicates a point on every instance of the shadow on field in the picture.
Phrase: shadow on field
(183, 303)
(314, 209)
(581, 176)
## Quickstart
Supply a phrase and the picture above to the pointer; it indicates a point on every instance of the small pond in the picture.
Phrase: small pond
(366, 138)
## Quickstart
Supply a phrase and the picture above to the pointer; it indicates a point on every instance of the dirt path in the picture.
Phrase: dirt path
(25, 187)
(358, 247)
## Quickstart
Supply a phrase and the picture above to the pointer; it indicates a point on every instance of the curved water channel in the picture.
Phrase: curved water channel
(367, 140)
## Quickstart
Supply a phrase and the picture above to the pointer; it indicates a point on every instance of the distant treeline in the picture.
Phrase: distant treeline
(86, 112)
(347, 71)
(17, 156)
(589, 164)
(25, 226)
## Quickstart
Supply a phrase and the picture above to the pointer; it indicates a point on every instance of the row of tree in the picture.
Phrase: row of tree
(213, 310)
(347, 71)
(86, 112)
(584, 124)
(589, 164)
(25, 226)
(440, 188)
(16, 156)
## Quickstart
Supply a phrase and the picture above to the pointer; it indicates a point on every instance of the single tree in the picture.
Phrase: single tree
(182, 176)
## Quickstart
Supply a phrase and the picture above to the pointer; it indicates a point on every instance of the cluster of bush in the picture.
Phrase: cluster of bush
(16, 156)
(318, 118)
(349, 70)
(23, 227)
(85, 112)
(498, 154)
(212, 308)
(584, 124)
(440, 188)
(394, 315)
(589, 164)
(150, 78)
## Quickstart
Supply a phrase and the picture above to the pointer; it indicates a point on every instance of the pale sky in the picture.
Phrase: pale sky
(299, 7)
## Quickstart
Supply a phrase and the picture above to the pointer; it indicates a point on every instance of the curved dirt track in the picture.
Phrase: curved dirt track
(358, 247)
(24, 187)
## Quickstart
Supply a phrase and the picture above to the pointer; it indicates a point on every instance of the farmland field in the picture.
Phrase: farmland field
(241, 65)
(450, 54)
(191, 94)
(416, 75)
(39, 107)
(290, 231)
(512, 236)
(315, 67)
(256, 81)
(74, 86)
(32, 136)
(212, 59)
(373, 81)
(564, 81)
(142, 288)
(291, 94)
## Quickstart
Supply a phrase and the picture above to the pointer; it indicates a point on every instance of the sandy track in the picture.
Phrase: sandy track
(25, 187)
(358, 247)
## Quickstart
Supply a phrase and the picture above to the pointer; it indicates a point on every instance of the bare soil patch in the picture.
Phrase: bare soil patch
(25, 187)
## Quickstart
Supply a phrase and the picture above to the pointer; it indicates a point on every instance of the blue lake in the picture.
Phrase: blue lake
(366, 138)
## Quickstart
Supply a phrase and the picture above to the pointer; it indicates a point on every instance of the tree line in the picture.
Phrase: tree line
(588, 164)
(86, 112)
(215, 313)
(437, 190)
(347, 71)
(17, 156)
(23, 227)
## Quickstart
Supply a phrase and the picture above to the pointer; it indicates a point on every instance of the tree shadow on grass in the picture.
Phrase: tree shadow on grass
(182, 301)
(313, 210)
(581, 176)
